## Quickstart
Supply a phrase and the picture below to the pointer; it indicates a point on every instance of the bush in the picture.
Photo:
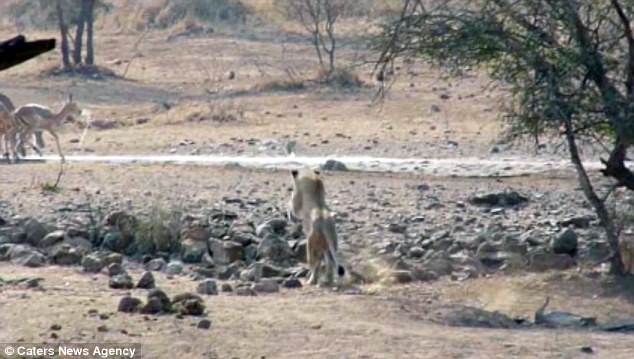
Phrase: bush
(167, 13)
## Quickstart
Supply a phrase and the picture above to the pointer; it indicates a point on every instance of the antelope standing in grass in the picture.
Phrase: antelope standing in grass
(31, 118)
(7, 129)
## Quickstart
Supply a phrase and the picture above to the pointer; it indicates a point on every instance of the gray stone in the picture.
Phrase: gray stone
(129, 304)
(274, 248)
(33, 260)
(158, 295)
(156, 265)
(64, 254)
(35, 231)
(115, 269)
(266, 270)
(146, 281)
(92, 264)
(121, 281)
(566, 243)
(333, 165)
(204, 324)
(52, 238)
(192, 251)
(174, 268)
(266, 285)
(225, 252)
(292, 283)
(208, 287)
(542, 260)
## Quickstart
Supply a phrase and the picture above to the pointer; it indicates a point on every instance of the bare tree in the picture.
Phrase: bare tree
(63, 28)
(318, 17)
(79, 34)
(90, 19)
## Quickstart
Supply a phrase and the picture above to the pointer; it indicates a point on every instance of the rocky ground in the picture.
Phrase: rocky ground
(200, 260)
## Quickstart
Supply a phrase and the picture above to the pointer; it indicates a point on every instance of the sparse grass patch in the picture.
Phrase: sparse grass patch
(163, 14)
(339, 78)
(222, 111)
(50, 187)
(158, 231)
(280, 85)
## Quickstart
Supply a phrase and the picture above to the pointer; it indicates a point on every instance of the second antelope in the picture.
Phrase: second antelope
(31, 118)
(8, 131)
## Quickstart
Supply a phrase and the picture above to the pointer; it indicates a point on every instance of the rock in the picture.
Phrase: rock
(17, 251)
(157, 295)
(153, 306)
(64, 254)
(274, 248)
(35, 231)
(92, 264)
(231, 271)
(192, 251)
(250, 252)
(226, 287)
(204, 324)
(542, 260)
(266, 285)
(121, 281)
(33, 260)
(113, 258)
(225, 252)
(577, 221)
(333, 165)
(208, 287)
(500, 199)
(52, 239)
(189, 304)
(174, 268)
(397, 228)
(596, 251)
(274, 226)
(439, 266)
(125, 226)
(265, 270)
(245, 291)
(197, 233)
(566, 243)
(146, 281)
(416, 252)
(156, 265)
(115, 269)
(291, 283)
(129, 304)
(424, 275)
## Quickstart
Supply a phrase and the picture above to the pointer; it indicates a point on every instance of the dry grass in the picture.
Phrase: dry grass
(313, 323)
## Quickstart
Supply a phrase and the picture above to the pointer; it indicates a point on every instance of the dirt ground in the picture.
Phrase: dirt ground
(155, 110)
(311, 323)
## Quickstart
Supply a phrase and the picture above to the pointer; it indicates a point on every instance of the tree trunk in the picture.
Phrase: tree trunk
(616, 265)
(90, 19)
(79, 35)
(64, 46)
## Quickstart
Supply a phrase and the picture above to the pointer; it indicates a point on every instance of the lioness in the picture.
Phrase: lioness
(308, 204)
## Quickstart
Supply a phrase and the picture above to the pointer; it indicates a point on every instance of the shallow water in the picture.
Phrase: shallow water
(461, 167)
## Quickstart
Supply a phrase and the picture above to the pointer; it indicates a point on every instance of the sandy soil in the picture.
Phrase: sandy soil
(311, 323)
(425, 115)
